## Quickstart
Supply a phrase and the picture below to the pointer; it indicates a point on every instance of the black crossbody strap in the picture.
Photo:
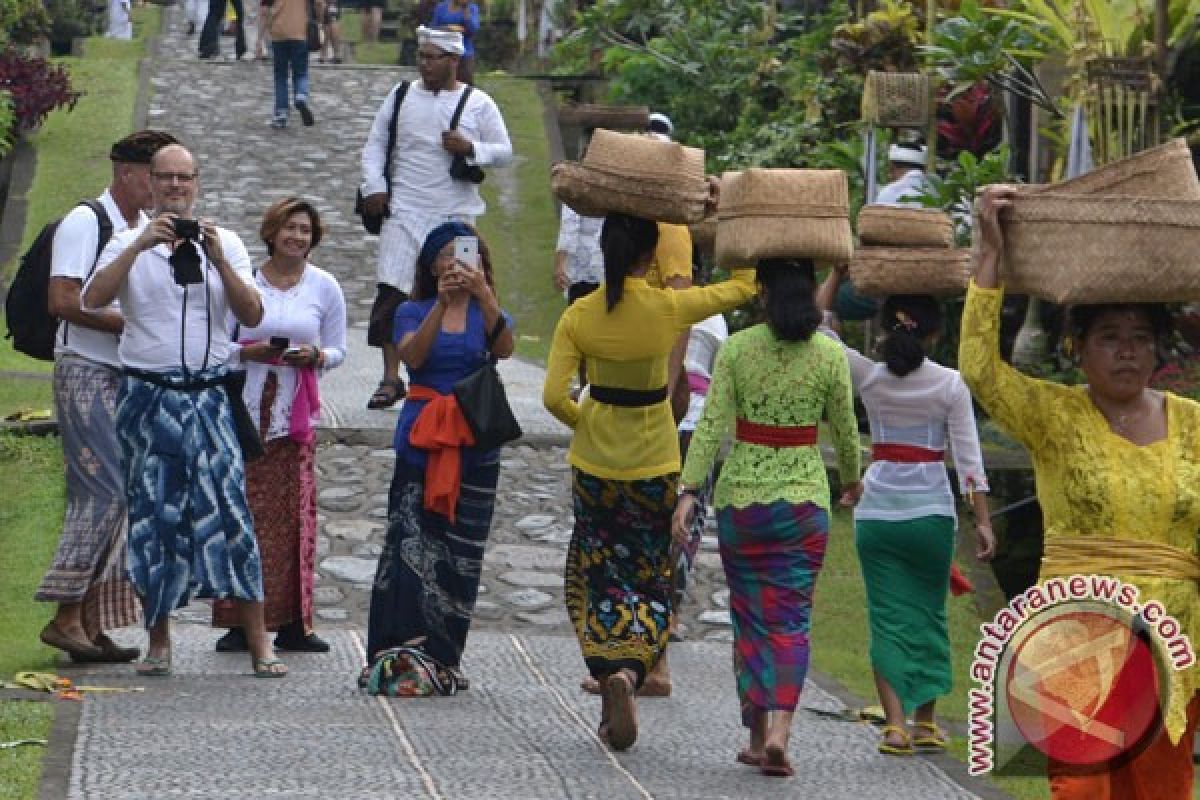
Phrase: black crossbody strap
(237, 326)
(401, 91)
(462, 103)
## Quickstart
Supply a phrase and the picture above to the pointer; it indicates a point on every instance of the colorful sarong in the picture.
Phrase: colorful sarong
(618, 572)
(772, 555)
(89, 564)
(906, 569)
(190, 529)
(428, 574)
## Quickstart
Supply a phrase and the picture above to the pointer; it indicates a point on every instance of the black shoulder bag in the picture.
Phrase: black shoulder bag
(373, 223)
(460, 170)
(484, 403)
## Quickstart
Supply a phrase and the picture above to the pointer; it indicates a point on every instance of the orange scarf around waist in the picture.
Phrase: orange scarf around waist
(441, 430)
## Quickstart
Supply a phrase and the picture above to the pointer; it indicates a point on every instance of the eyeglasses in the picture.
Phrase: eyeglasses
(432, 56)
(174, 177)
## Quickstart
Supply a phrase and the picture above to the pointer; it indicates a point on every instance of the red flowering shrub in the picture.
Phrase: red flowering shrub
(37, 87)
(1182, 378)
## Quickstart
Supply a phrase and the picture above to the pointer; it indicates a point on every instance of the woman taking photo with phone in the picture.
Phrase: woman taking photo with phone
(443, 488)
(302, 335)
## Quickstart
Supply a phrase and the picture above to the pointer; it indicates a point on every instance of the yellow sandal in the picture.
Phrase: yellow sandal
(895, 750)
(933, 741)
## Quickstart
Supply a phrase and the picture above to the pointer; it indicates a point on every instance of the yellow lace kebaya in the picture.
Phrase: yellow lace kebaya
(1096, 485)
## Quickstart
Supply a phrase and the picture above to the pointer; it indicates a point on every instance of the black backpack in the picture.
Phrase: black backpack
(31, 326)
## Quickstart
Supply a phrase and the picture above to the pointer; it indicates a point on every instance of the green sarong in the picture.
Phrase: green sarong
(906, 568)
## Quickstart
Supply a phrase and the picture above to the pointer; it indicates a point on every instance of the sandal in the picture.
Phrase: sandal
(622, 723)
(79, 649)
(889, 749)
(154, 666)
(387, 394)
(775, 762)
(933, 741)
(749, 759)
(110, 653)
(269, 668)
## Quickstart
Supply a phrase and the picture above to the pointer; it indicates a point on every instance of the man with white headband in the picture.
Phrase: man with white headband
(423, 193)
(907, 176)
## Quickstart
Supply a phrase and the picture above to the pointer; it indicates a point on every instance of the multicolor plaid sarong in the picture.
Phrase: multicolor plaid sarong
(772, 555)
(190, 529)
(618, 573)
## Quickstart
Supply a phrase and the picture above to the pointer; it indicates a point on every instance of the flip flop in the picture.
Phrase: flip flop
(932, 742)
(154, 667)
(775, 762)
(888, 749)
(622, 724)
(387, 394)
(749, 759)
(265, 668)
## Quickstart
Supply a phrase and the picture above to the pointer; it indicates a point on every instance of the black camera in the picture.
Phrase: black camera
(280, 342)
(186, 228)
(185, 263)
(460, 170)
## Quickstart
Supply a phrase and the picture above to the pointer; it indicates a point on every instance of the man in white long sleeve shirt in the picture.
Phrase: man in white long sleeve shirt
(423, 194)
(907, 165)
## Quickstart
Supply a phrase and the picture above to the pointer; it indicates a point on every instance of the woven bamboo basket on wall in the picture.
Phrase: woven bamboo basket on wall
(621, 118)
(783, 213)
(882, 271)
(1102, 249)
(636, 175)
(896, 226)
(896, 99)
(1165, 171)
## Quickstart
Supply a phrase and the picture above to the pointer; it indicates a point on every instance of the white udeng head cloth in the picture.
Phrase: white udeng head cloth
(907, 154)
(446, 41)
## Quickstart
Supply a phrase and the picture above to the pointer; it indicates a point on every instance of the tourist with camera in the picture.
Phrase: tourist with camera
(190, 529)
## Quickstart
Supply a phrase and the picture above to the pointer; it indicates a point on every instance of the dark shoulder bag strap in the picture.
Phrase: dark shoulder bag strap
(237, 326)
(104, 232)
(462, 103)
(401, 91)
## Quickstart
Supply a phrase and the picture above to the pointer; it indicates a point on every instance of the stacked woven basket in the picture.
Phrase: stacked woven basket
(783, 213)
(1127, 232)
(637, 175)
(908, 251)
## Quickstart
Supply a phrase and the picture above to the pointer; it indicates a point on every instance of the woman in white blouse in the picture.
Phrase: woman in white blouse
(905, 517)
(303, 305)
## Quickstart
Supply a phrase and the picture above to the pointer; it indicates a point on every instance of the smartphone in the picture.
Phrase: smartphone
(293, 351)
(466, 250)
(280, 342)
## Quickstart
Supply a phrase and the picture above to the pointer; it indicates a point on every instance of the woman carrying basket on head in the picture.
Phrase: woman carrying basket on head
(625, 454)
(905, 520)
(1118, 478)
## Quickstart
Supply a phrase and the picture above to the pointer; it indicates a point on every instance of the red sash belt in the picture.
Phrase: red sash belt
(905, 453)
(442, 430)
(776, 435)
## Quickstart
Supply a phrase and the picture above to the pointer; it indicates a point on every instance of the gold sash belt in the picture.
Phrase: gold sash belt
(1071, 555)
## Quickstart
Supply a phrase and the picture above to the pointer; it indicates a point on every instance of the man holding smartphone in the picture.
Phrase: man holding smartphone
(189, 523)
(422, 193)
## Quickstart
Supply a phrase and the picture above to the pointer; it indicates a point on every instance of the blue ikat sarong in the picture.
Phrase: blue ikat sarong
(190, 529)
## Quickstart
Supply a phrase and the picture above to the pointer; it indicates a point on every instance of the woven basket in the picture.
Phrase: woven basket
(783, 213)
(622, 118)
(897, 226)
(637, 175)
(882, 271)
(1165, 171)
(896, 99)
(704, 235)
(1099, 249)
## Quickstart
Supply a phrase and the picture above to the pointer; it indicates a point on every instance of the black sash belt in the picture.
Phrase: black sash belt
(628, 398)
(159, 379)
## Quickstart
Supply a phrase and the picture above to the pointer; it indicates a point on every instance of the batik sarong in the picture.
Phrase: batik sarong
(190, 529)
(906, 570)
(618, 573)
(428, 574)
(89, 565)
(772, 555)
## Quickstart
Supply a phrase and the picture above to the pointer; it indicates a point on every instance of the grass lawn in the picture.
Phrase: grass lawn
(16, 392)
(20, 767)
(366, 52)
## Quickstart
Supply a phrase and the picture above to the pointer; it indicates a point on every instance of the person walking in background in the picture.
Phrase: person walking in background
(461, 16)
(578, 262)
(120, 20)
(302, 336)
(210, 35)
(331, 44)
(423, 193)
(87, 576)
(625, 459)
(289, 50)
(190, 528)
(906, 176)
(443, 487)
(772, 384)
(372, 19)
(906, 520)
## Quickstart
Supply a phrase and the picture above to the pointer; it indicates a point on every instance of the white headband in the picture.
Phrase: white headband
(907, 154)
(446, 41)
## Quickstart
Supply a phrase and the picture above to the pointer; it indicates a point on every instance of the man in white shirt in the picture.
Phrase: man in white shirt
(178, 278)
(423, 193)
(907, 176)
(87, 577)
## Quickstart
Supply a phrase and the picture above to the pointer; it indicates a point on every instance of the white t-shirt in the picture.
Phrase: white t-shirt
(704, 340)
(579, 238)
(903, 192)
(311, 312)
(73, 256)
(165, 323)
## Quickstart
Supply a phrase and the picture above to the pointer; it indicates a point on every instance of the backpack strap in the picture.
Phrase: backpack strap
(462, 103)
(104, 233)
(400, 92)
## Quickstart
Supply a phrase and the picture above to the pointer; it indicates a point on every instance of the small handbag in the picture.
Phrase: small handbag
(484, 403)
(408, 671)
